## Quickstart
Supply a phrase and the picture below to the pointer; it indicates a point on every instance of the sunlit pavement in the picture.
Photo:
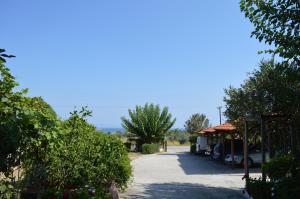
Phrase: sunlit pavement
(178, 174)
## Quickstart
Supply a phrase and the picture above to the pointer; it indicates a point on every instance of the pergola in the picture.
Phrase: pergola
(222, 130)
(228, 129)
(265, 137)
(209, 133)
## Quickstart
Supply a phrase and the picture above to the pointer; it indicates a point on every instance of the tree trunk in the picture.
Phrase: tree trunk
(113, 191)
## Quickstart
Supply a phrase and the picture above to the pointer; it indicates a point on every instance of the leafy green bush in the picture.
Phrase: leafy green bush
(178, 135)
(79, 155)
(76, 193)
(278, 167)
(283, 171)
(193, 148)
(6, 190)
(53, 153)
(259, 189)
(287, 188)
(183, 138)
(150, 148)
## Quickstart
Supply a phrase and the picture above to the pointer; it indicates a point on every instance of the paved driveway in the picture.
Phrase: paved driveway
(178, 174)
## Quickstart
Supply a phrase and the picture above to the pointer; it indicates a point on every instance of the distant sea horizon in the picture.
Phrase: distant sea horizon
(122, 130)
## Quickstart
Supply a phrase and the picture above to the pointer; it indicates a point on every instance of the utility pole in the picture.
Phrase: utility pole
(220, 114)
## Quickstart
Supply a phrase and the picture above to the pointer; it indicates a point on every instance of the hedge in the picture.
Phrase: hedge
(150, 148)
(259, 189)
(80, 157)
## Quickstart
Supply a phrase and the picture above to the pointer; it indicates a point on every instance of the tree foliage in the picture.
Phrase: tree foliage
(149, 123)
(276, 22)
(196, 122)
(54, 153)
(11, 120)
(3, 55)
(273, 88)
(178, 135)
(84, 156)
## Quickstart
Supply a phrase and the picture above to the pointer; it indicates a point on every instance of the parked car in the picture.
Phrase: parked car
(218, 149)
(254, 157)
(210, 150)
(201, 145)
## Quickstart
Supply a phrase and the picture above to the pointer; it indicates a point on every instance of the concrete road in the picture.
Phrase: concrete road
(178, 174)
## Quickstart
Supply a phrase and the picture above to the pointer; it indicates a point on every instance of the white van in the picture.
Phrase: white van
(201, 144)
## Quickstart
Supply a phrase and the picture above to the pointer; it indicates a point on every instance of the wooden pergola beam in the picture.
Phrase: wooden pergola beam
(232, 151)
(263, 148)
(245, 143)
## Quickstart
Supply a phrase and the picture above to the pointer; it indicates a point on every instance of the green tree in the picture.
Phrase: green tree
(276, 22)
(271, 89)
(178, 135)
(196, 122)
(11, 119)
(23, 122)
(148, 123)
(51, 151)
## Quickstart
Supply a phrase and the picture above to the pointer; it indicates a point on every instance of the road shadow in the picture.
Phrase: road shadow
(203, 165)
(183, 190)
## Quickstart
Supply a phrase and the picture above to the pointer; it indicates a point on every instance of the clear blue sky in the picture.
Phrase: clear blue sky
(112, 55)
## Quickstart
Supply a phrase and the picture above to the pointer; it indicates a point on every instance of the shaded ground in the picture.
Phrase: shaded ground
(134, 155)
(178, 174)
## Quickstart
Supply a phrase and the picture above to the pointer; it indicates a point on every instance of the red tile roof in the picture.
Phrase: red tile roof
(207, 131)
(225, 127)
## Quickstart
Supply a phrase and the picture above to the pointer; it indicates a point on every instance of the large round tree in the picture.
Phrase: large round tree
(149, 123)
(196, 122)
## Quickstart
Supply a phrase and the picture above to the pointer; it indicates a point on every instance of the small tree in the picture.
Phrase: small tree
(148, 123)
(196, 122)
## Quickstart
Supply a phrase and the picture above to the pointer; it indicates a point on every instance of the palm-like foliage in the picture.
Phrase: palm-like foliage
(3, 56)
(148, 123)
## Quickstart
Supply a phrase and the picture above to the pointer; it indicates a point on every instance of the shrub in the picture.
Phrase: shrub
(183, 138)
(259, 189)
(278, 167)
(283, 171)
(6, 190)
(76, 193)
(80, 156)
(285, 184)
(287, 188)
(91, 159)
(193, 148)
(150, 148)
(54, 154)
